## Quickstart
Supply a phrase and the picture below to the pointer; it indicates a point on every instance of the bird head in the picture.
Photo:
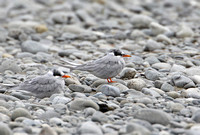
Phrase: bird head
(57, 72)
(117, 52)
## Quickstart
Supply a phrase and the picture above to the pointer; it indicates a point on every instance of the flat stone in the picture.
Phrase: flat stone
(81, 104)
(153, 116)
(33, 47)
(133, 128)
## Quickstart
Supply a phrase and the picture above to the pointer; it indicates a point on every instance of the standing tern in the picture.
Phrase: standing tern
(106, 67)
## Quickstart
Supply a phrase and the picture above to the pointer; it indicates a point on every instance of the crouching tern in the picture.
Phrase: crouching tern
(46, 85)
(106, 67)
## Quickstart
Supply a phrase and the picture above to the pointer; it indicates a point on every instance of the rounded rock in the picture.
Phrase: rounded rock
(153, 116)
(128, 73)
(136, 84)
(4, 129)
(81, 104)
(109, 90)
(89, 128)
(20, 112)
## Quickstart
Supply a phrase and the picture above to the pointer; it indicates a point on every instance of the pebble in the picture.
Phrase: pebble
(167, 87)
(60, 100)
(128, 73)
(152, 45)
(20, 112)
(184, 31)
(153, 116)
(133, 128)
(4, 129)
(152, 60)
(157, 29)
(99, 117)
(191, 93)
(152, 74)
(141, 21)
(136, 84)
(81, 104)
(162, 66)
(89, 128)
(47, 130)
(109, 90)
(164, 39)
(11, 65)
(79, 88)
(33, 47)
(182, 81)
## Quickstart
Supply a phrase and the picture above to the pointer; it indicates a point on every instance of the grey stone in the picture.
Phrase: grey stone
(185, 31)
(4, 118)
(164, 39)
(60, 100)
(157, 29)
(196, 116)
(167, 87)
(175, 107)
(141, 21)
(56, 121)
(128, 73)
(99, 117)
(136, 84)
(20, 112)
(152, 60)
(120, 86)
(173, 94)
(47, 130)
(33, 47)
(191, 93)
(11, 65)
(79, 88)
(182, 81)
(3, 36)
(195, 79)
(152, 45)
(177, 68)
(109, 90)
(153, 116)
(162, 65)
(152, 74)
(89, 128)
(4, 129)
(192, 71)
(81, 104)
(151, 92)
(133, 128)
(89, 111)
(48, 114)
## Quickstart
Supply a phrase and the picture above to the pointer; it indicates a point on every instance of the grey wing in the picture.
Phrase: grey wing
(106, 67)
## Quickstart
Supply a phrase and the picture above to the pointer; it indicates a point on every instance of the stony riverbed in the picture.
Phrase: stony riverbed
(157, 93)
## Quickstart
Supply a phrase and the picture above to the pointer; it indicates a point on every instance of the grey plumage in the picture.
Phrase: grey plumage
(106, 67)
(43, 86)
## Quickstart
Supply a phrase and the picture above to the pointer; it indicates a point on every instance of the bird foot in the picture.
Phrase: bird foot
(111, 81)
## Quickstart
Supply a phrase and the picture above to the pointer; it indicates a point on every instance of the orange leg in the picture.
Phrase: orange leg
(110, 81)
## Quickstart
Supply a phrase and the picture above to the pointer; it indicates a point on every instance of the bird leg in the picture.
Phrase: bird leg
(110, 81)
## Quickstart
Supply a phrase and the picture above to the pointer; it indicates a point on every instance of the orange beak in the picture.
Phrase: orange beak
(124, 55)
(66, 76)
